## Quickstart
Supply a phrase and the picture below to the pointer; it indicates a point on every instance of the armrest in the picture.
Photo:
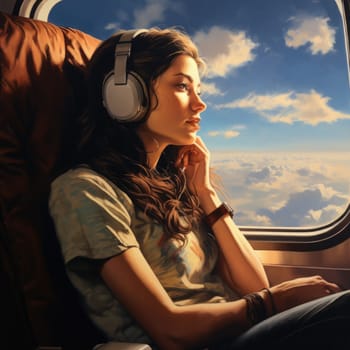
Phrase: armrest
(121, 346)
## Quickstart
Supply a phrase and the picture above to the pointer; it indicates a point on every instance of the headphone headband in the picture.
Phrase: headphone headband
(122, 53)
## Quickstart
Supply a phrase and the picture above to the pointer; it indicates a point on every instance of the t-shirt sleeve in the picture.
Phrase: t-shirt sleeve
(92, 218)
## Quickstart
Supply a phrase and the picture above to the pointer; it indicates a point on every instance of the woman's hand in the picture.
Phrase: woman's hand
(195, 160)
(300, 290)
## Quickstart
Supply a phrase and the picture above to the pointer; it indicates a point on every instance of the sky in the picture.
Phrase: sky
(277, 91)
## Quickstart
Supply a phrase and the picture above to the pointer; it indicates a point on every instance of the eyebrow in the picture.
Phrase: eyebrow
(186, 76)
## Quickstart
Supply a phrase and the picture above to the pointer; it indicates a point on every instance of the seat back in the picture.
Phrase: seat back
(13, 312)
(42, 91)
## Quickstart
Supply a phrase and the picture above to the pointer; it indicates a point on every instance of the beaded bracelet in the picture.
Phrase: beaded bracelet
(256, 309)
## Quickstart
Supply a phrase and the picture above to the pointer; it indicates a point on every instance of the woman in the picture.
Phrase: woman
(146, 239)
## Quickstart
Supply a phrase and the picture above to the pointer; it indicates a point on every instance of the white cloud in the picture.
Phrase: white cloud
(227, 134)
(326, 214)
(261, 102)
(210, 89)
(314, 31)
(152, 12)
(290, 107)
(112, 26)
(224, 50)
(122, 17)
(262, 220)
(326, 191)
(246, 217)
(214, 133)
(308, 208)
(315, 215)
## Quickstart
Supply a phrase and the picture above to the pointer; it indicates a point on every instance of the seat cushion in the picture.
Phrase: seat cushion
(41, 93)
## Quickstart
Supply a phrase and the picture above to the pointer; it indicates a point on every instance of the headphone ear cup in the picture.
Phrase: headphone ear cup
(125, 102)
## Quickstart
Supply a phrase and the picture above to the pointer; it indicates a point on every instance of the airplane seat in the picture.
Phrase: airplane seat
(41, 92)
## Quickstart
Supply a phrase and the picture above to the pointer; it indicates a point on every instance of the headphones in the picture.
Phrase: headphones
(125, 95)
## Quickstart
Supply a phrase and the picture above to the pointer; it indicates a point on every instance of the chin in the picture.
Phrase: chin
(190, 140)
(187, 140)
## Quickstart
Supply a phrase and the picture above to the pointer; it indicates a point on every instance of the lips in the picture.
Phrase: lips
(194, 122)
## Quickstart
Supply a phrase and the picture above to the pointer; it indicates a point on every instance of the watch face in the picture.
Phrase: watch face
(229, 209)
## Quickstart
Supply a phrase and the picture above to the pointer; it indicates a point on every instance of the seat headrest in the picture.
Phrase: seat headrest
(42, 88)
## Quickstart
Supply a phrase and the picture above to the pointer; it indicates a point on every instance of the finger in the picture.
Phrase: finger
(199, 152)
(199, 142)
(333, 288)
(181, 155)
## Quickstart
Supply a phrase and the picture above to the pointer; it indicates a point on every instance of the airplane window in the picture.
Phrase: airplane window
(277, 90)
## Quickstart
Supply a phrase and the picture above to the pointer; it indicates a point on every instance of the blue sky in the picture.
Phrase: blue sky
(277, 69)
(277, 82)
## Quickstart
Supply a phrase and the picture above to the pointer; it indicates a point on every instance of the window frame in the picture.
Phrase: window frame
(300, 239)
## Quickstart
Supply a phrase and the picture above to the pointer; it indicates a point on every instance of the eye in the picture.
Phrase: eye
(183, 86)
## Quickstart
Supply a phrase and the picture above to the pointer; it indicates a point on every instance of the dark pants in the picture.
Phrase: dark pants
(320, 324)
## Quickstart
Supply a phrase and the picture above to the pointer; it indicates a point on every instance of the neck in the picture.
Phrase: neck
(152, 160)
(153, 148)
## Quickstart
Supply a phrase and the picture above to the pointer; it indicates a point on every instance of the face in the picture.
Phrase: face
(176, 118)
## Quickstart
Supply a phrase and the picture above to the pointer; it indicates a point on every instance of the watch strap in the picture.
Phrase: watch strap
(222, 210)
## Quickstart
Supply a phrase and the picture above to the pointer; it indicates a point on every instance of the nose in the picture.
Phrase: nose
(197, 103)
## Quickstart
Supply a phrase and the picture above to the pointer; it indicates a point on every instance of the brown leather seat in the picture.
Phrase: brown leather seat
(41, 93)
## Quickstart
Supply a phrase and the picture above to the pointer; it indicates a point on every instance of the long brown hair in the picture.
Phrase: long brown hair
(115, 150)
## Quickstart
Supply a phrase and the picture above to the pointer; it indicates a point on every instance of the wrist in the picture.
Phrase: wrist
(209, 200)
(260, 306)
(256, 308)
(269, 301)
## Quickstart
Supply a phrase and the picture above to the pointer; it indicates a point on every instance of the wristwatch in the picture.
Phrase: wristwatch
(216, 214)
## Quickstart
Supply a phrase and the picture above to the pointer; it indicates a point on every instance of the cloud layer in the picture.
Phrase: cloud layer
(289, 189)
